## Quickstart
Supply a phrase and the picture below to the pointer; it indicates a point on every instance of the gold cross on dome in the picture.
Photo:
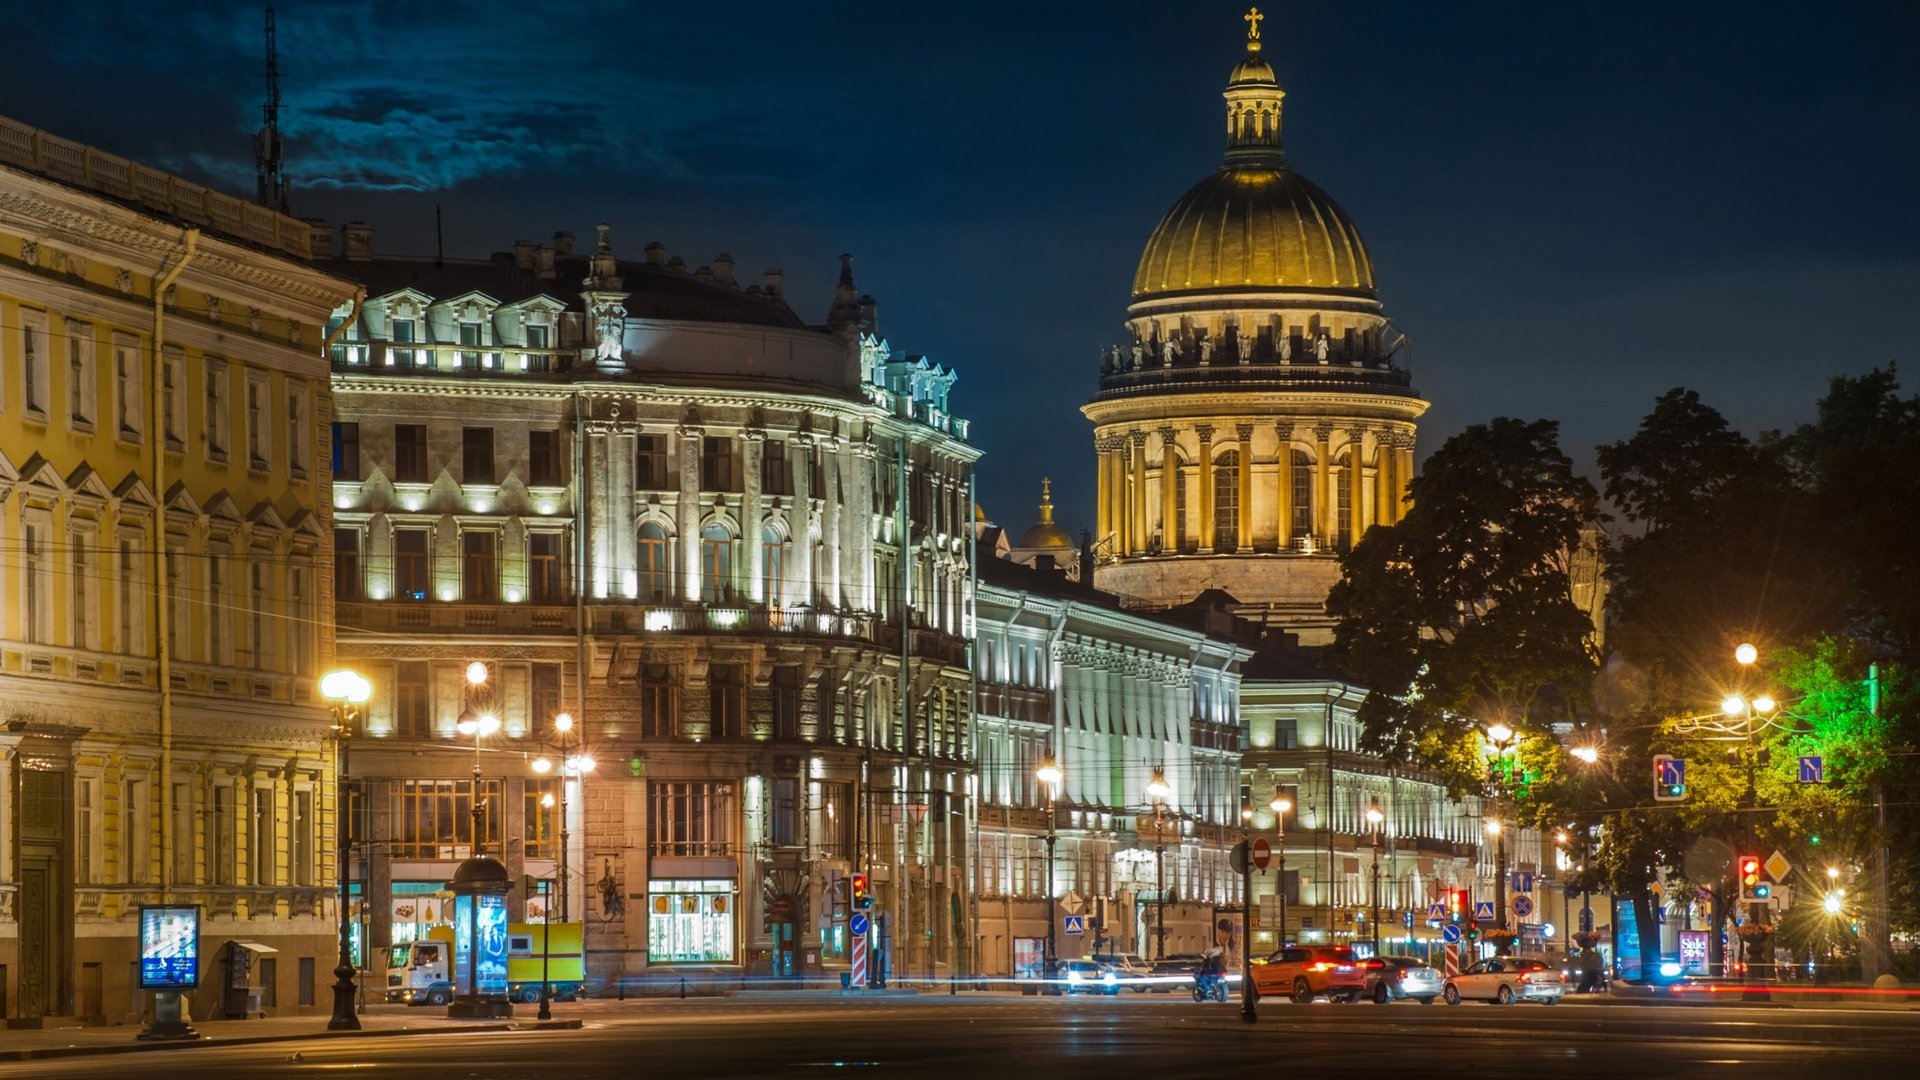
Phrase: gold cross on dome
(1253, 18)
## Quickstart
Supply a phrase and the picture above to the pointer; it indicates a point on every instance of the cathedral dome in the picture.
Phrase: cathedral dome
(1254, 226)
(1046, 535)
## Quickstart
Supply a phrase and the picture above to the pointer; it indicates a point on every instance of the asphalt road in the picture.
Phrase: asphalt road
(1051, 1039)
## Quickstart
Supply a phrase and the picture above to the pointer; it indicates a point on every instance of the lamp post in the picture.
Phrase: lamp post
(1281, 806)
(479, 725)
(1744, 709)
(1049, 774)
(1160, 791)
(571, 765)
(1503, 739)
(1375, 818)
(347, 691)
(1590, 755)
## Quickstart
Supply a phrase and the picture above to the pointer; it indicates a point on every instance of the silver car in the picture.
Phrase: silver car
(1395, 978)
(1505, 980)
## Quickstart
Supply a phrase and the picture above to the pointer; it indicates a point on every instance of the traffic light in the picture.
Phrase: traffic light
(862, 893)
(1754, 889)
(1669, 778)
(1456, 904)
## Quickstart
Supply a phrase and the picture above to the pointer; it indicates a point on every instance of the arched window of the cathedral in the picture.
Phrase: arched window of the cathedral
(653, 562)
(1343, 498)
(1226, 501)
(716, 564)
(1182, 535)
(772, 570)
(1302, 494)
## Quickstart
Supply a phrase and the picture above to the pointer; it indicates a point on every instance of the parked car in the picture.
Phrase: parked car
(1505, 980)
(1088, 977)
(1303, 972)
(1172, 973)
(1130, 969)
(1396, 978)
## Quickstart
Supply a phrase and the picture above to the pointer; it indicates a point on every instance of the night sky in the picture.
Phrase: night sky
(1571, 208)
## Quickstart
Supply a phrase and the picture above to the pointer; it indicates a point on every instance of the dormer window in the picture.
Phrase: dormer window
(403, 332)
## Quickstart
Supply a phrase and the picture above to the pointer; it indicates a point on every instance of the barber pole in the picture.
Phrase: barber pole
(859, 980)
(1453, 960)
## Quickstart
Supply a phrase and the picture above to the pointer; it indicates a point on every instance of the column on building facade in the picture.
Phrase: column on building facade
(1243, 520)
(1114, 458)
(1103, 489)
(1384, 488)
(1283, 489)
(1324, 505)
(1356, 482)
(1205, 431)
(1169, 491)
(687, 513)
(798, 586)
(598, 498)
(859, 526)
(1137, 492)
(830, 587)
(620, 510)
(753, 444)
(1403, 468)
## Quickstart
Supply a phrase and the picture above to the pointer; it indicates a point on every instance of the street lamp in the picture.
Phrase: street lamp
(1049, 774)
(479, 725)
(1281, 807)
(1160, 791)
(347, 691)
(572, 766)
(1503, 738)
(1375, 818)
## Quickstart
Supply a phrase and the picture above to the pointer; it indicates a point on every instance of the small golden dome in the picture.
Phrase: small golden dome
(1253, 70)
(1046, 534)
(1254, 227)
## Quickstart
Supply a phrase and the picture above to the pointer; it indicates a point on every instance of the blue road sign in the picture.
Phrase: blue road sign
(1409, 920)
(1813, 769)
(1450, 933)
(858, 924)
(1523, 905)
(1483, 910)
(1522, 881)
(1673, 772)
(1076, 924)
(1437, 912)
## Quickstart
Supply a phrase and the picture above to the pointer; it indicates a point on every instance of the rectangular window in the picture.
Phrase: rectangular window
(727, 694)
(133, 595)
(543, 696)
(539, 336)
(216, 418)
(544, 466)
(80, 386)
(470, 344)
(401, 333)
(220, 839)
(259, 636)
(650, 462)
(300, 836)
(173, 379)
(545, 564)
(658, 717)
(86, 829)
(433, 819)
(775, 477)
(80, 566)
(479, 568)
(186, 842)
(786, 702)
(716, 463)
(261, 838)
(129, 399)
(412, 716)
(306, 981)
(690, 921)
(540, 811)
(783, 823)
(411, 572)
(134, 824)
(33, 363)
(346, 450)
(476, 455)
(216, 606)
(299, 436)
(410, 453)
(259, 429)
(39, 605)
(348, 577)
(690, 820)
(300, 628)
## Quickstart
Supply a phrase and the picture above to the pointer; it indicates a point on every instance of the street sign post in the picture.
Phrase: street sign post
(1522, 881)
(1522, 905)
(1450, 934)
(1262, 853)
(858, 924)
(1669, 778)
(1483, 911)
(1813, 769)
(1076, 924)
(1436, 912)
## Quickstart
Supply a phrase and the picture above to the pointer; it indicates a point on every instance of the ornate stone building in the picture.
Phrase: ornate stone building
(1261, 415)
(163, 506)
(732, 546)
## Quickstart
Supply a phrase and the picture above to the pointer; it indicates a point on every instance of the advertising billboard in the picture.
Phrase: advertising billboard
(169, 946)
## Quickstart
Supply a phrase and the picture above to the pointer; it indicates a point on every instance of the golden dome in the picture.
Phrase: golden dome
(1254, 227)
(1046, 534)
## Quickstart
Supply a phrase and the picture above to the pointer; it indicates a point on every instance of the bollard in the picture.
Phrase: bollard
(953, 984)
(683, 988)
(846, 981)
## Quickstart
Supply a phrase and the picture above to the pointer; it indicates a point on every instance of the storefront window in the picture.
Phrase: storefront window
(690, 921)
(419, 906)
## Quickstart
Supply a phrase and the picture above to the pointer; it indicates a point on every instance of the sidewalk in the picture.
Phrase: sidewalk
(1796, 995)
(379, 1021)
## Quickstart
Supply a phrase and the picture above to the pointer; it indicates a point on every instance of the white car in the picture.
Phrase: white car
(1132, 971)
(1088, 977)
(1505, 980)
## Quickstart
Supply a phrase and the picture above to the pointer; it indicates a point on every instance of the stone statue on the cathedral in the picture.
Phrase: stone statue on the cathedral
(1168, 350)
(1244, 342)
(1136, 354)
(1286, 348)
(1206, 351)
(1321, 345)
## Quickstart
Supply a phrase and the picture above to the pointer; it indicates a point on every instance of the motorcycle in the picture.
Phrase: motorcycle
(1210, 987)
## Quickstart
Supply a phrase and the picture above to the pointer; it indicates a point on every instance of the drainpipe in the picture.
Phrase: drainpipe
(162, 626)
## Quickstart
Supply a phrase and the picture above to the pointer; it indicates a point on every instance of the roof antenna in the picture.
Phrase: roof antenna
(268, 166)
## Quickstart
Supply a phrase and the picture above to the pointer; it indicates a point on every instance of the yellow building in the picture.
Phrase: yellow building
(165, 591)
(1261, 416)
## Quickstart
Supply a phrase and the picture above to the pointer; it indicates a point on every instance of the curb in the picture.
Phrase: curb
(135, 1047)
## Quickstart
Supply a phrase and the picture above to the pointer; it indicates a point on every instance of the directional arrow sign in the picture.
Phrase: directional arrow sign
(1813, 769)
(1450, 933)
(858, 924)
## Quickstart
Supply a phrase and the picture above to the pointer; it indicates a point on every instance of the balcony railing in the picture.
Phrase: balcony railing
(414, 358)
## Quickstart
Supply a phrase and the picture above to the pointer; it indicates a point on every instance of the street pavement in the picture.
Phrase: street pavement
(996, 1035)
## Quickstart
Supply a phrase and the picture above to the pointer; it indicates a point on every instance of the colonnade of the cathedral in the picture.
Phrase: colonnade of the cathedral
(1311, 485)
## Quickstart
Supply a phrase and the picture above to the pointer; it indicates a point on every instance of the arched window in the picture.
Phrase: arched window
(654, 580)
(1343, 499)
(1226, 501)
(716, 564)
(771, 567)
(1302, 494)
(1181, 534)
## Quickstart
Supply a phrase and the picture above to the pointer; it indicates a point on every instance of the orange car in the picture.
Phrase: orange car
(1304, 972)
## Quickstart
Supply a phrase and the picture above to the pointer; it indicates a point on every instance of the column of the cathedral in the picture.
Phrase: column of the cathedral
(1356, 482)
(1385, 508)
(1283, 500)
(1137, 493)
(599, 532)
(621, 511)
(1103, 493)
(1243, 520)
(687, 513)
(1205, 431)
(1324, 505)
(1169, 492)
(1403, 471)
(752, 460)
(1122, 499)
(799, 584)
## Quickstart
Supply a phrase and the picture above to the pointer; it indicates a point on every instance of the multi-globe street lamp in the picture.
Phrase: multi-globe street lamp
(1503, 739)
(347, 691)
(1160, 791)
(1281, 807)
(1376, 819)
(1049, 774)
(572, 765)
(479, 724)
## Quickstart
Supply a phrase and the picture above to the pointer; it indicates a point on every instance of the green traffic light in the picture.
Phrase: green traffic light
(1814, 839)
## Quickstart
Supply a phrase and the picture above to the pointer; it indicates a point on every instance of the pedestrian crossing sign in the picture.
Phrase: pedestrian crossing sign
(1483, 910)
(1076, 924)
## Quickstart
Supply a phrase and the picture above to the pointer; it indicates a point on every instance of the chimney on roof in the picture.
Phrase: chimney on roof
(523, 254)
(543, 263)
(563, 242)
(773, 279)
(705, 273)
(322, 237)
(358, 239)
(656, 253)
(677, 264)
(723, 267)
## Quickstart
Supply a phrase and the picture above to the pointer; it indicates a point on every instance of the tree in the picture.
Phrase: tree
(1462, 611)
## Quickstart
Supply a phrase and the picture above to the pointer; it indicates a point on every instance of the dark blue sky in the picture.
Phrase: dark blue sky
(1571, 208)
